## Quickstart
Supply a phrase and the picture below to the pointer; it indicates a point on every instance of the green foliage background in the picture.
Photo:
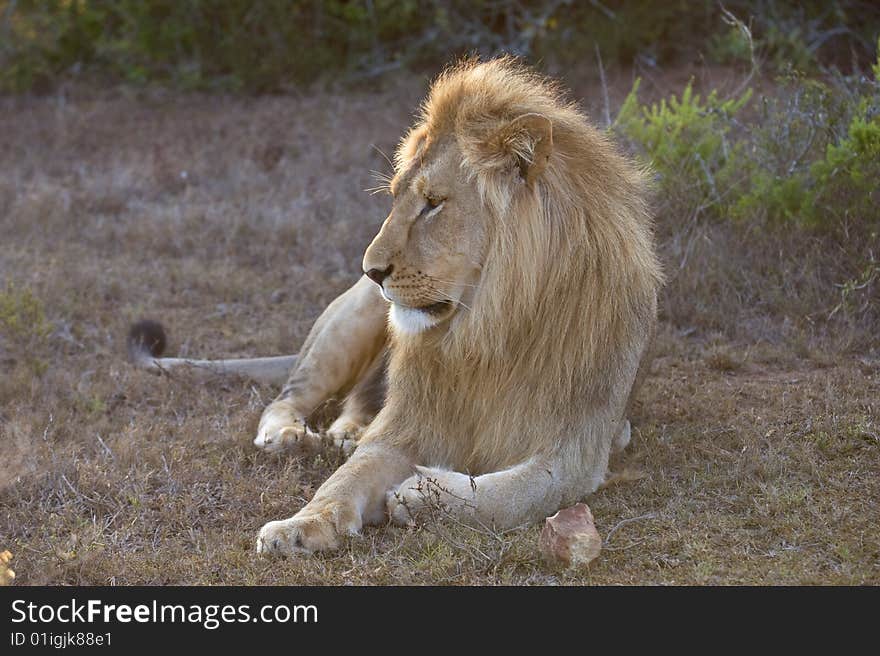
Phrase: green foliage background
(270, 45)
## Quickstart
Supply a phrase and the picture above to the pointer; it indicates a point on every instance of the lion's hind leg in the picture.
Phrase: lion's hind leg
(283, 427)
(361, 405)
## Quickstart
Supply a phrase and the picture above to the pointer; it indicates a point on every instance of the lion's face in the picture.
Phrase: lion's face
(429, 252)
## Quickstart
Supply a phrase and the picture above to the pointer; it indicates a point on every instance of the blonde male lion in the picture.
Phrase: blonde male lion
(508, 301)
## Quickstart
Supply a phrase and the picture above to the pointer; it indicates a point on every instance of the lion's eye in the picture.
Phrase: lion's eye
(431, 204)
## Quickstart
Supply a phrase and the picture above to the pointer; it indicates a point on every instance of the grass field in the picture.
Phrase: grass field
(756, 450)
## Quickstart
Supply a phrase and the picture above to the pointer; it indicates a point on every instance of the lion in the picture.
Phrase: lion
(492, 346)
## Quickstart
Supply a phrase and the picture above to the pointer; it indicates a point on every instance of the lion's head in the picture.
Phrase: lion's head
(519, 246)
(429, 255)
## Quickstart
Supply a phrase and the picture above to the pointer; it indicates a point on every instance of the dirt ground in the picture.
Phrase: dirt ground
(756, 450)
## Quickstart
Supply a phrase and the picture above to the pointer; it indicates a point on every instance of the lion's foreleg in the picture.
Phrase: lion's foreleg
(353, 496)
(338, 351)
(504, 499)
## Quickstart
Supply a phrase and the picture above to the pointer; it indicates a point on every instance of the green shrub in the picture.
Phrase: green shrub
(686, 139)
(809, 155)
(847, 179)
(814, 158)
(790, 131)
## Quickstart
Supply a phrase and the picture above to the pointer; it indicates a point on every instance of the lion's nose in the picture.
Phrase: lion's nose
(378, 275)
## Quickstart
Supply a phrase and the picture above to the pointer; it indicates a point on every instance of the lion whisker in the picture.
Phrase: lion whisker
(384, 180)
(382, 153)
(378, 190)
(446, 297)
(379, 175)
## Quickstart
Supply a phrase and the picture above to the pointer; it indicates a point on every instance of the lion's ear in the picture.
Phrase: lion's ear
(529, 138)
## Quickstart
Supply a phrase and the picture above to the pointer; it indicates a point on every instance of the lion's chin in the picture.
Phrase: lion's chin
(410, 321)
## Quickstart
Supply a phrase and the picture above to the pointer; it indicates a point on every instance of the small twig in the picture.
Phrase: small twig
(75, 491)
(104, 444)
(709, 177)
(604, 88)
(733, 21)
(797, 160)
(824, 36)
(605, 10)
(624, 522)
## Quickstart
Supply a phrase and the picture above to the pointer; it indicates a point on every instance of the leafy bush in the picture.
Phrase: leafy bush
(810, 155)
(847, 178)
(790, 132)
(685, 139)
(815, 157)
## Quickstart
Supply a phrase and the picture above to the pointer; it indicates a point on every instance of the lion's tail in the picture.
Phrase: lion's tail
(147, 340)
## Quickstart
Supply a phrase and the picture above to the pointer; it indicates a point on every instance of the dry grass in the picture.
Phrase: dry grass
(756, 451)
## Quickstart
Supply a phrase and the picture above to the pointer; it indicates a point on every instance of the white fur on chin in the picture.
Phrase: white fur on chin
(410, 321)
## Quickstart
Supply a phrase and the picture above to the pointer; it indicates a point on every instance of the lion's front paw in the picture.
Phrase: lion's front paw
(297, 535)
(309, 530)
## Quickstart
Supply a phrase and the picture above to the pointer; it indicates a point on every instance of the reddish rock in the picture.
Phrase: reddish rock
(570, 537)
(6, 574)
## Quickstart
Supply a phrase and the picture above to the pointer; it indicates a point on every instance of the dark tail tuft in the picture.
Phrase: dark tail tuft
(146, 338)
